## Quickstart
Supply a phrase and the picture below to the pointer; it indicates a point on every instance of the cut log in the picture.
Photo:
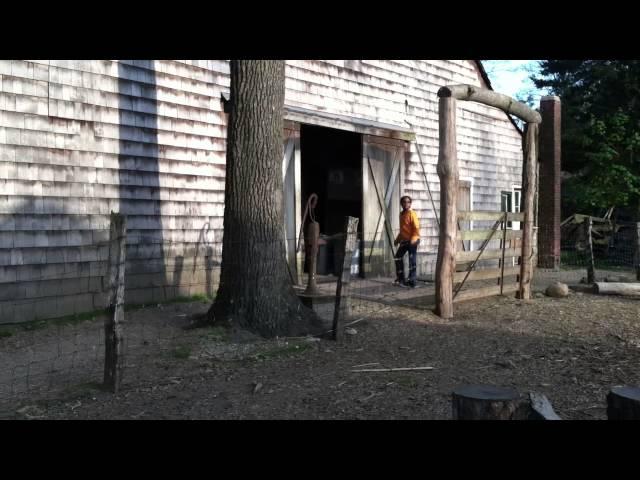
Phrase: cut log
(486, 402)
(541, 408)
(623, 403)
(607, 288)
(491, 98)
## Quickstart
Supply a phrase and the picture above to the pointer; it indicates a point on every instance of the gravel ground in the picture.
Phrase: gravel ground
(572, 349)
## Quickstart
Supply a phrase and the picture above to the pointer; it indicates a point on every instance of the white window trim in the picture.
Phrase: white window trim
(470, 180)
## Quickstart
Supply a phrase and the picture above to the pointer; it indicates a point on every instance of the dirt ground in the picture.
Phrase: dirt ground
(572, 349)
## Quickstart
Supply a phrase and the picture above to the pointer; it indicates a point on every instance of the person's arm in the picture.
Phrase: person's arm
(415, 231)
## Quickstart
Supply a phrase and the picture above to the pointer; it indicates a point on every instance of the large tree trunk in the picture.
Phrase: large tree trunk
(255, 291)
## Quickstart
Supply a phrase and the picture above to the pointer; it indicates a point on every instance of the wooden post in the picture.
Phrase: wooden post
(504, 243)
(638, 251)
(529, 170)
(485, 402)
(113, 323)
(591, 267)
(623, 403)
(448, 173)
(349, 245)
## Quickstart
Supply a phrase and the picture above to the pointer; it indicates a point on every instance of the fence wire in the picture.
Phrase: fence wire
(51, 357)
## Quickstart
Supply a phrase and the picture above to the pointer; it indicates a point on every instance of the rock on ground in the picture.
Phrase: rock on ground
(557, 290)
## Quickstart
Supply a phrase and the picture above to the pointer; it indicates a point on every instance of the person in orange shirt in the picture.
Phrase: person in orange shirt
(408, 239)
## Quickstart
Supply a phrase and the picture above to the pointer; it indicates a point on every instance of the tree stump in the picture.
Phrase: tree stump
(486, 402)
(623, 403)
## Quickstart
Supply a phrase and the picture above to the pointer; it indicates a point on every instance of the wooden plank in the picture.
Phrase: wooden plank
(484, 234)
(485, 292)
(489, 215)
(462, 257)
(486, 274)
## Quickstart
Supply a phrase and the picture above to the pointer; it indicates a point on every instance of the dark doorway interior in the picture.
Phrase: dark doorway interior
(331, 162)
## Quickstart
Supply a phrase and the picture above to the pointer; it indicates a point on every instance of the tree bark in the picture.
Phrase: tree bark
(255, 291)
(448, 173)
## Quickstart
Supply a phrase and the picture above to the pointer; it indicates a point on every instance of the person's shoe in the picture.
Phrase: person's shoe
(410, 284)
(398, 283)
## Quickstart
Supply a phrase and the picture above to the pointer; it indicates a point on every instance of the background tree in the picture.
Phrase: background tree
(255, 291)
(600, 132)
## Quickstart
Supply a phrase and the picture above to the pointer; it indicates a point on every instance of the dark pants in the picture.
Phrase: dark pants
(405, 247)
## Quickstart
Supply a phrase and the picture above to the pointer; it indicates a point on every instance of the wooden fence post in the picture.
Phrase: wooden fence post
(448, 173)
(591, 267)
(638, 251)
(349, 245)
(113, 323)
(529, 171)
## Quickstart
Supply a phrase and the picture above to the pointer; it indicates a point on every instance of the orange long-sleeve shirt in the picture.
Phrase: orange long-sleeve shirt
(409, 226)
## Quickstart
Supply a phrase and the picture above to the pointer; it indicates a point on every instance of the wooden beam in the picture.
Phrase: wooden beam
(489, 215)
(486, 274)
(484, 234)
(529, 172)
(463, 257)
(491, 98)
(448, 174)
(483, 292)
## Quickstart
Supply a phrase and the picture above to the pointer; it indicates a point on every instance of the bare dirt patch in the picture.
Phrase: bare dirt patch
(571, 349)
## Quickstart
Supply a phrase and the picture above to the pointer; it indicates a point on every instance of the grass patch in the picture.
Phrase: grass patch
(216, 332)
(407, 381)
(193, 298)
(287, 350)
(182, 352)
(5, 333)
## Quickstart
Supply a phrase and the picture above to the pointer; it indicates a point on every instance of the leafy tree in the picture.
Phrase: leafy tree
(600, 131)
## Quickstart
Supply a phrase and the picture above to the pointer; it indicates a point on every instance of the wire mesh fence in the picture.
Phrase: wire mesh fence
(46, 358)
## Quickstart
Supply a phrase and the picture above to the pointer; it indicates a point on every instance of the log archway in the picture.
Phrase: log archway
(448, 173)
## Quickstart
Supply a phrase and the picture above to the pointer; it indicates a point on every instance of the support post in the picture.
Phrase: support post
(113, 323)
(448, 173)
(349, 245)
(591, 267)
(638, 251)
(529, 170)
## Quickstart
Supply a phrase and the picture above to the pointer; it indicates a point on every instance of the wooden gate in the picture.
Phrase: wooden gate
(493, 261)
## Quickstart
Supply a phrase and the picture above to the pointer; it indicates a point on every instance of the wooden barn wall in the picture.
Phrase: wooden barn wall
(489, 146)
(79, 139)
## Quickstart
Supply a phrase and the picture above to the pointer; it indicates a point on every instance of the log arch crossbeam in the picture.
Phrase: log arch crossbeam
(492, 99)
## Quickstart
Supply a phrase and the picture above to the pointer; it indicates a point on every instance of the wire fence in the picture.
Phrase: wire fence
(47, 358)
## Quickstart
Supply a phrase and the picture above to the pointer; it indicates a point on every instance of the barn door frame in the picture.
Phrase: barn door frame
(292, 200)
(377, 222)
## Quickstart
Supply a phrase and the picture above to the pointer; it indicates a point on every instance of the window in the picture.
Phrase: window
(510, 202)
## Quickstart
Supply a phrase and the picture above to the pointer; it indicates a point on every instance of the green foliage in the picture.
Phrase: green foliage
(600, 131)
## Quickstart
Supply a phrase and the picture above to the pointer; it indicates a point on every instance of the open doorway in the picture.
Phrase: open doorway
(331, 167)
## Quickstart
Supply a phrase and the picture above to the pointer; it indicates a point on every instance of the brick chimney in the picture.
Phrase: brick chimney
(549, 184)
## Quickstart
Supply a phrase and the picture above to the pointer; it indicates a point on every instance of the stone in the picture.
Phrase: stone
(557, 290)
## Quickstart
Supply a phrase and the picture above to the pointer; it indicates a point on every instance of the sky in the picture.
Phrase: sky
(512, 76)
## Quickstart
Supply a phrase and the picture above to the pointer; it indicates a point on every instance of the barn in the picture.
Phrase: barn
(146, 138)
